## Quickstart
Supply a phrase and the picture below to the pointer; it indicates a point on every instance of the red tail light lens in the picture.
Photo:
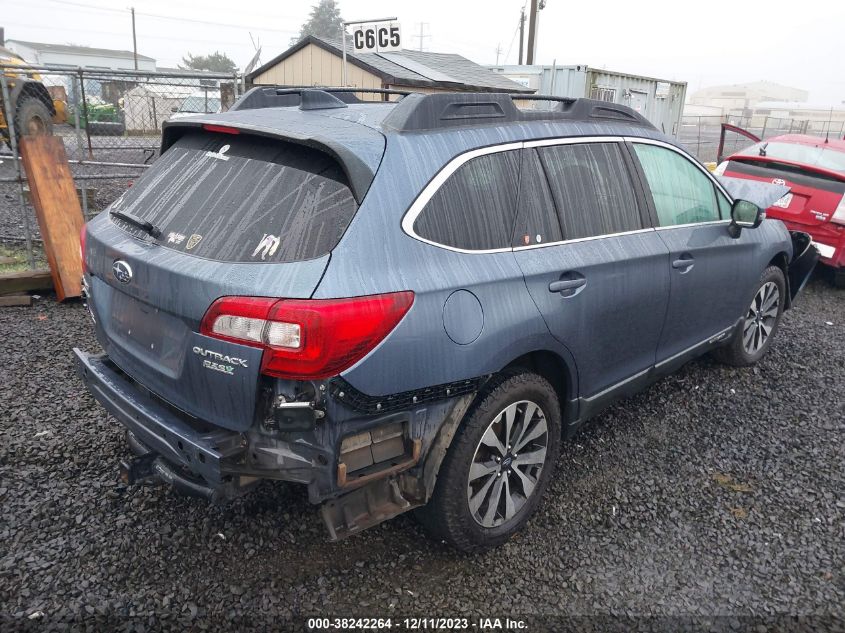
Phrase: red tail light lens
(307, 339)
(82, 234)
(223, 129)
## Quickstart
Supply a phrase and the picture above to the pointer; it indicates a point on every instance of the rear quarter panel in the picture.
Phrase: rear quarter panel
(376, 256)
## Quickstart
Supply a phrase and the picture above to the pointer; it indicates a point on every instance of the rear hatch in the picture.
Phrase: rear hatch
(233, 214)
(815, 175)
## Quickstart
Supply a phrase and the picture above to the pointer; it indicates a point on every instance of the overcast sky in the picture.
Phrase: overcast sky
(703, 43)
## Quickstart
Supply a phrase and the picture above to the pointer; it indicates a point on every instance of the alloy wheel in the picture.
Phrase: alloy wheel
(507, 464)
(761, 318)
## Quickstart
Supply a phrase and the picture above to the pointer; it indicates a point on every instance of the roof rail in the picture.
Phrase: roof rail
(418, 112)
(306, 97)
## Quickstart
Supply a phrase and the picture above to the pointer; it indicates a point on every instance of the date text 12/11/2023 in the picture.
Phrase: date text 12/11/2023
(418, 623)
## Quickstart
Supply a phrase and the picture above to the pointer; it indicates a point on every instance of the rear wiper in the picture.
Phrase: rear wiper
(134, 220)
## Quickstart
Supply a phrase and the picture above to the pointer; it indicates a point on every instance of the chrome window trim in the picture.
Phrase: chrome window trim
(453, 165)
(685, 154)
(575, 240)
(690, 224)
(434, 185)
(572, 140)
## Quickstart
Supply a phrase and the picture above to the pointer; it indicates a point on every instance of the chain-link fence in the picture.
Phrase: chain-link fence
(110, 124)
(700, 134)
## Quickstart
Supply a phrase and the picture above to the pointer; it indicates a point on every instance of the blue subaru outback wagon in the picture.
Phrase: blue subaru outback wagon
(410, 304)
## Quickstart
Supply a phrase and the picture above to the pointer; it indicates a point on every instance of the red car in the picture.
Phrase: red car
(814, 168)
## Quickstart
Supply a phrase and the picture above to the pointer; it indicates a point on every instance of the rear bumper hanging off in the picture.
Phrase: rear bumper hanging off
(156, 427)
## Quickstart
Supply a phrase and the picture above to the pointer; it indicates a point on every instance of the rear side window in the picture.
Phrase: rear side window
(592, 189)
(241, 198)
(474, 209)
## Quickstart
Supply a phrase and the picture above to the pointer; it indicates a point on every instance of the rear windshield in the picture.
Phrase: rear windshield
(813, 156)
(241, 198)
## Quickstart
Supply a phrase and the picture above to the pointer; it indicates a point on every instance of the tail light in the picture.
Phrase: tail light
(307, 339)
(223, 129)
(839, 215)
(82, 234)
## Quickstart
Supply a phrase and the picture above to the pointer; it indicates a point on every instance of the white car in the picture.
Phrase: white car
(202, 102)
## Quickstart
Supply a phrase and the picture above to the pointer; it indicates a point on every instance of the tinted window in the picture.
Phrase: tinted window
(536, 219)
(591, 188)
(682, 193)
(240, 198)
(474, 209)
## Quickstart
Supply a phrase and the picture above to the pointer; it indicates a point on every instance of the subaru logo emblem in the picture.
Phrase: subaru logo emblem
(122, 271)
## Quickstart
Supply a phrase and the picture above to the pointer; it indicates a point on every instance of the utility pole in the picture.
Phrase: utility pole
(521, 32)
(422, 34)
(532, 32)
(134, 41)
(498, 52)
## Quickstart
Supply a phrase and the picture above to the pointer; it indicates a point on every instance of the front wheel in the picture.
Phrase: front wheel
(498, 466)
(754, 335)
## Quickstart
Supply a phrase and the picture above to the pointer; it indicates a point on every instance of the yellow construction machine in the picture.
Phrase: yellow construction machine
(33, 108)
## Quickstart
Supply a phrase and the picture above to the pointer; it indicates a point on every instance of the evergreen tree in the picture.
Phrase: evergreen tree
(324, 21)
(215, 62)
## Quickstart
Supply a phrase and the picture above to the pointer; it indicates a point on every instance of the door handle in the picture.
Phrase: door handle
(684, 263)
(566, 284)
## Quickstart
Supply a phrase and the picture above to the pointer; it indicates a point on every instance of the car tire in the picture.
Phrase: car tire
(33, 118)
(456, 513)
(760, 322)
(839, 278)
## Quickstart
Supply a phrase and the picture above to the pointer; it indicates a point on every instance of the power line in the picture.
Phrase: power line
(159, 16)
(52, 29)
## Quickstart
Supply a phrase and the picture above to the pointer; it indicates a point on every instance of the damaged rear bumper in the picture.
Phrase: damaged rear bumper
(206, 452)
(363, 468)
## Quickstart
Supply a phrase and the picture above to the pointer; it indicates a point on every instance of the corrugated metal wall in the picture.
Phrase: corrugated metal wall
(661, 102)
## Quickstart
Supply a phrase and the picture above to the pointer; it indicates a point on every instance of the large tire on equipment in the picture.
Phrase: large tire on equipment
(759, 324)
(32, 118)
(498, 465)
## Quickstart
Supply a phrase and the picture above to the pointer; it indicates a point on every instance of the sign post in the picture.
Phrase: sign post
(382, 34)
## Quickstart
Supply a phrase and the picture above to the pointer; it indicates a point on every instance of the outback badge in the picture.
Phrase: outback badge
(122, 271)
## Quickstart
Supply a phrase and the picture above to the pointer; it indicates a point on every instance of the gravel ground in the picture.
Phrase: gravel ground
(718, 491)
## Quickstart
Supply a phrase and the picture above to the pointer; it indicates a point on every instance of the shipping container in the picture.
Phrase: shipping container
(659, 100)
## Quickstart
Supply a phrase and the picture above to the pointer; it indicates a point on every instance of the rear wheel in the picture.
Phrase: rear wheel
(498, 466)
(760, 322)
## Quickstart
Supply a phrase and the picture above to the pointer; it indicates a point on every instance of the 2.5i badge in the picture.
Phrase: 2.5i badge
(219, 362)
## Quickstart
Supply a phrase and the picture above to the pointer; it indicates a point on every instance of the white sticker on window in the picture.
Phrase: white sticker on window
(219, 154)
(267, 246)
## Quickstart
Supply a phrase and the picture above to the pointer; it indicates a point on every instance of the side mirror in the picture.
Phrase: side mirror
(174, 109)
(745, 215)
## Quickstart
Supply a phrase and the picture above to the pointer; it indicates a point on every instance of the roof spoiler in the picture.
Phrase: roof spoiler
(358, 173)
